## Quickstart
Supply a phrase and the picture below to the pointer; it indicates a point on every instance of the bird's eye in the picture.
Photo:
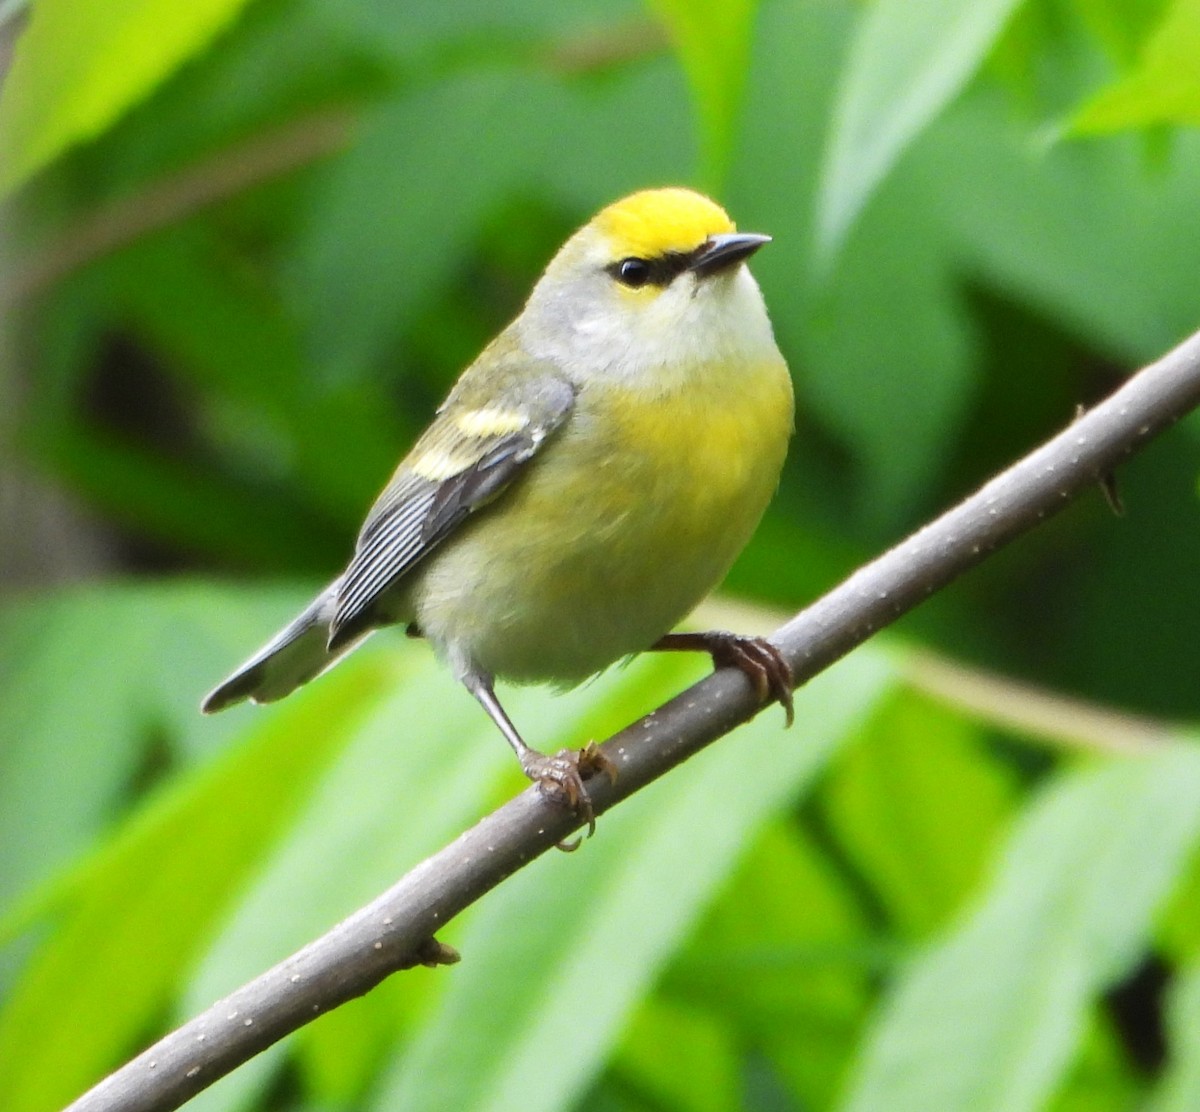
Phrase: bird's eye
(633, 272)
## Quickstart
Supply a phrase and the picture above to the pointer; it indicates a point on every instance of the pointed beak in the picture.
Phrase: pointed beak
(723, 252)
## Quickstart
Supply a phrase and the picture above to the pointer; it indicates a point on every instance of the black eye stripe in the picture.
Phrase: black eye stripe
(659, 271)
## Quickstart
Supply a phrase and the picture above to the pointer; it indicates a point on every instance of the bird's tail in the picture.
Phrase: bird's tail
(294, 656)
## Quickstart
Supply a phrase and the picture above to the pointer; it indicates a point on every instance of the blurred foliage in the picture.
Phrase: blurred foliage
(247, 248)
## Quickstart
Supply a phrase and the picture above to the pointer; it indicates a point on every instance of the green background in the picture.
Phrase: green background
(246, 248)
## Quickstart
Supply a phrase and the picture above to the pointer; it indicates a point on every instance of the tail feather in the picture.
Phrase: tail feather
(297, 654)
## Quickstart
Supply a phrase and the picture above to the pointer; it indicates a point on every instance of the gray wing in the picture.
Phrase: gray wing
(466, 459)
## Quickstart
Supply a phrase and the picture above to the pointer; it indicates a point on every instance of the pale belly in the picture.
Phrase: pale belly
(607, 544)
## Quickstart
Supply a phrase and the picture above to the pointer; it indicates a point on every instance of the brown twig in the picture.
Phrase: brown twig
(390, 932)
(601, 49)
(266, 156)
(170, 199)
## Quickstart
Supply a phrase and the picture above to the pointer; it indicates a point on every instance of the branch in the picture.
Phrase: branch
(175, 197)
(396, 930)
(263, 157)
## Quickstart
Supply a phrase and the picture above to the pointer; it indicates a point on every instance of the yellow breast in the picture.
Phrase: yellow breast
(710, 455)
(622, 525)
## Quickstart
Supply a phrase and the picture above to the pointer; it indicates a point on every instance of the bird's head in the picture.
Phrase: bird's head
(656, 278)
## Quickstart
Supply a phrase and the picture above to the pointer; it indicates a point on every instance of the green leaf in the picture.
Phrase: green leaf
(1115, 271)
(70, 748)
(1121, 25)
(130, 921)
(906, 63)
(81, 63)
(917, 804)
(712, 38)
(1179, 1089)
(989, 1018)
(88, 678)
(338, 1054)
(784, 957)
(896, 403)
(892, 406)
(1102, 1078)
(211, 322)
(179, 501)
(1179, 927)
(638, 123)
(682, 1058)
(387, 234)
(399, 211)
(587, 934)
(1164, 86)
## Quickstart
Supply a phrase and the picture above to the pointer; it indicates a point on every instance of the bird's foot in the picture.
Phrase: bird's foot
(755, 657)
(562, 777)
(761, 662)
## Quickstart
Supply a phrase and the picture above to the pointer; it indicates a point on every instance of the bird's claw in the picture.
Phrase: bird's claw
(761, 662)
(561, 778)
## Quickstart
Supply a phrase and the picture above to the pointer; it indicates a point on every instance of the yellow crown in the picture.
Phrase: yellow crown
(656, 222)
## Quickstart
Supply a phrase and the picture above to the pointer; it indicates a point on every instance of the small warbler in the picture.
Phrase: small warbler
(591, 476)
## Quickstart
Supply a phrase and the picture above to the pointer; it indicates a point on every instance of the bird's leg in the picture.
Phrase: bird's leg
(561, 777)
(760, 661)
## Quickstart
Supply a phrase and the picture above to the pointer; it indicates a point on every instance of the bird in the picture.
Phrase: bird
(590, 477)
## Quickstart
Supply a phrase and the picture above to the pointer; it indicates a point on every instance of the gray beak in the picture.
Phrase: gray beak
(722, 252)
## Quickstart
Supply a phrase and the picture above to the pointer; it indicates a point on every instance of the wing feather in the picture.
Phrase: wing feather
(466, 459)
